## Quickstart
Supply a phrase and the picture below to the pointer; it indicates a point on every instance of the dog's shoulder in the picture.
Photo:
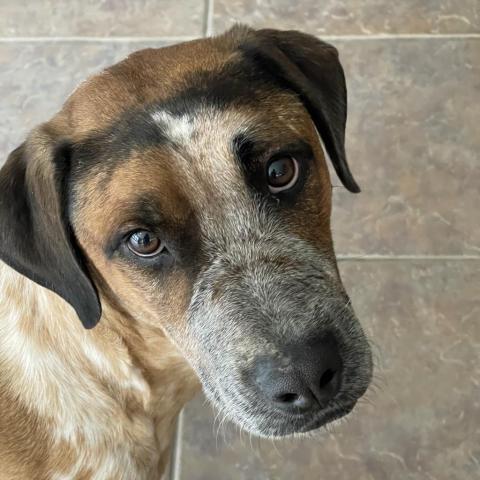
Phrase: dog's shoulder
(72, 402)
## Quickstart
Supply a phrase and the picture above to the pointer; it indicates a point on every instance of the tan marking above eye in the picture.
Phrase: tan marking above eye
(282, 173)
(144, 243)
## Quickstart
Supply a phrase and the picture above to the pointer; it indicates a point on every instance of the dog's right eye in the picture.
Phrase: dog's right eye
(282, 173)
(144, 243)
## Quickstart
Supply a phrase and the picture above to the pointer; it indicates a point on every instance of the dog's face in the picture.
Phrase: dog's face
(190, 184)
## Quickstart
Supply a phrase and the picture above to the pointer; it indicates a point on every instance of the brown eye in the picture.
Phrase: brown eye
(144, 243)
(282, 173)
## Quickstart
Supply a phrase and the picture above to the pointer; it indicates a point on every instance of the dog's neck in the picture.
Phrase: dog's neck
(117, 387)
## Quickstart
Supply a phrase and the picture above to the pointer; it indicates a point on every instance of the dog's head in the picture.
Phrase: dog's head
(190, 182)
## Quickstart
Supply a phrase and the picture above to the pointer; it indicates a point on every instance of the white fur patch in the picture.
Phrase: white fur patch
(177, 127)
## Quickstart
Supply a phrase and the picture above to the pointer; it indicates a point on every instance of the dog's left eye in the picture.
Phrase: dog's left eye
(282, 173)
(144, 243)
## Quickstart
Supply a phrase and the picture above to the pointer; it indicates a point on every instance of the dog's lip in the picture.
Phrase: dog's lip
(318, 420)
(288, 427)
(341, 406)
(327, 416)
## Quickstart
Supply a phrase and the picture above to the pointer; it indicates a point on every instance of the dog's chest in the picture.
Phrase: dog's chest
(84, 431)
(91, 419)
(120, 454)
(79, 397)
(119, 435)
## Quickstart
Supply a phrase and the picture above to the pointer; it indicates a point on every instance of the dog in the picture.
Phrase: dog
(179, 206)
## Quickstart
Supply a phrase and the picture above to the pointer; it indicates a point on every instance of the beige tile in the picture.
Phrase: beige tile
(36, 78)
(422, 420)
(102, 18)
(347, 17)
(413, 143)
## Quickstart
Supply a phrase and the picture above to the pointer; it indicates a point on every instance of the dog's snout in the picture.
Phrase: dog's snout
(303, 378)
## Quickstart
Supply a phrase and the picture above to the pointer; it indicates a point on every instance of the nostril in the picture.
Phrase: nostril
(294, 401)
(286, 398)
(327, 377)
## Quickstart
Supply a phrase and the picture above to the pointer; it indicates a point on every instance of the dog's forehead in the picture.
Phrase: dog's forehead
(191, 119)
(152, 75)
(191, 95)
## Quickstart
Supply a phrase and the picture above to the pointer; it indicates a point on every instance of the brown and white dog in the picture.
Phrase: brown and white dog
(179, 203)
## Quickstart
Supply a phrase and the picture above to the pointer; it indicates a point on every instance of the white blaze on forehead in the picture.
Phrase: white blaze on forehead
(206, 155)
(177, 127)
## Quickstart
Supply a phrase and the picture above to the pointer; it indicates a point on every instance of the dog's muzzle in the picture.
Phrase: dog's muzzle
(277, 345)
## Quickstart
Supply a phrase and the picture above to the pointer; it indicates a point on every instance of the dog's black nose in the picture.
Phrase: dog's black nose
(305, 377)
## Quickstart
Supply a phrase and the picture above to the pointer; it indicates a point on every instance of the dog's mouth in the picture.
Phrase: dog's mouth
(259, 418)
(335, 413)
(295, 426)
(277, 425)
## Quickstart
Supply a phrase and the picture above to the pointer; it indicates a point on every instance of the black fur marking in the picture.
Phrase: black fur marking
(135, 129)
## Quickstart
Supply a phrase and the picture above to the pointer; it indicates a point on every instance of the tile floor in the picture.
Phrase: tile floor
(409, 244)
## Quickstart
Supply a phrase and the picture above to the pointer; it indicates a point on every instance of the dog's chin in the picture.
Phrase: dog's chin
(284, 427)
(261, 421)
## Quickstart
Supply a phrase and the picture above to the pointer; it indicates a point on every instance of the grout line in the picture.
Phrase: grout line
(368, 257)
(400, 36)
(98, 39)
(209, 31)
(175, 458)
(209, 18)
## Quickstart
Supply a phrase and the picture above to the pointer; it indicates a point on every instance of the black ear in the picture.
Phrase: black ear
(35, 236)
(311, 69)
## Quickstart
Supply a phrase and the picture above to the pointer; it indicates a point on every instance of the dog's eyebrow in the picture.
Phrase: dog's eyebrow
(245, 148)
(249, 150)
(135, 130)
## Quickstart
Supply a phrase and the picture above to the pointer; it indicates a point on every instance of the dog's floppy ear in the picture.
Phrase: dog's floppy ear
(35, 235)
(311, 69)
